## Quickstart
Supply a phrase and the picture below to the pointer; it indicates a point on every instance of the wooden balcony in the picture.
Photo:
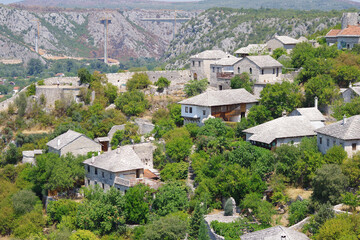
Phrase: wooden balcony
(225, 75)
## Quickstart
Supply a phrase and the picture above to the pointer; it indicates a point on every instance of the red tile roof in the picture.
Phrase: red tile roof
(333, 32)
(351, 30)
(16, 88)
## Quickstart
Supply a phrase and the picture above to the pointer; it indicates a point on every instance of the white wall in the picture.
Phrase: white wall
(324, 146)
(197, 112)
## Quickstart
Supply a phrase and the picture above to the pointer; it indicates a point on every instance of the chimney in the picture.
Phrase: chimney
(316, 102)
(344, 120)
(284, 113)
(59, 142)
(93, 158)
(118, 150)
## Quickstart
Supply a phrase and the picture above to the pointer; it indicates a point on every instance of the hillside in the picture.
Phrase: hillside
(229, 29)
(205, 4)
(78, 33)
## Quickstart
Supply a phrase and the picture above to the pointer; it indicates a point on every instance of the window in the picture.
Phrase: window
(213, 69)
(110, 175)
(199, 64)
(204, 112)
(220, 87)
(273, 70)
(238, 69)
(277, 72)
(95, 171)
(95, 182)
(102, 185)
(193, 63)
(103, 174)
(353, 146)
(327, 142)
(334, 143)
(137, 173)
(218, 69)
(262, 71)
(88, 182)
(190, 110)
(88, 168)
(186, 109)
(250, 70)
(320, 140)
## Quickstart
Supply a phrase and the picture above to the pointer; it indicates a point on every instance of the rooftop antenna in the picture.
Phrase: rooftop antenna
(37, 34)
(106, 23)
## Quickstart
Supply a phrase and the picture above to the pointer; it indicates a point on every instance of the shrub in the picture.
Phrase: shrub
(228, 207)
(298, 211)
(169, 228)
(174, 171)
(138, 81)
(83, 235)
(195, 87)
(63, 207)
(162, 83)
(24, 201)
(132, 103)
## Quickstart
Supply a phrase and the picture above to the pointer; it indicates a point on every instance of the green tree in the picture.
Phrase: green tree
(34, 66)
(12, 155)
(323, 87)
(85, 76)
(195, 221)
(345, 74)
(21, 104)
(162, 83)
(175, 114)
(335, 155)
(278, 53)
(171, 197)
(279, 97)
(178, 144)
(242, 81)
(228, 208)
(169, 228)
(138, 81)
(56, 210)
(195, 87)
(351, 169)
(110, 92)
(132, 103)
(83, 235)
(298, 211)
(203, 232)
(341, 227)
(349, 109)
(262, 210)
(324, 213)
(174, 171)
(328, 184)
(352, 200)
(24, 201)
(137, 201)
(31, 90)
(32, 223)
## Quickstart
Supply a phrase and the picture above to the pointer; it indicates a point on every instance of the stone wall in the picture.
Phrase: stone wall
(5, 104)
(53, 93)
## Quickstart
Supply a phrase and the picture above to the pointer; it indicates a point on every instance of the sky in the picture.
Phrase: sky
(8, 1)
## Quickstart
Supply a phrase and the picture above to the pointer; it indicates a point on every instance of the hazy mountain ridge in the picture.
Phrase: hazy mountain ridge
(230, 29)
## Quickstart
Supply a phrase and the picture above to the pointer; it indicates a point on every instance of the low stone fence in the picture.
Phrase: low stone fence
(5, 104)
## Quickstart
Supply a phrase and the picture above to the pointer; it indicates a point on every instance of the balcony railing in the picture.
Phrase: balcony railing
(225, 75)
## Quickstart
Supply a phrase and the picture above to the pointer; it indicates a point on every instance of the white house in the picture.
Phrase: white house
(286, 42)
(222, 71)
(200, 63)
(229, 105)
(345, 133)
(283, 130)
(73, 142)
(262, 69)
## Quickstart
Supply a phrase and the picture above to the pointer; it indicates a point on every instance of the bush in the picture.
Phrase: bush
(169, 228)
(228, 207)
(83, 235)
(195, 87)
(162, 83)
(63, 207)
(132, 103)
(262, 210)
(242, 81)
(298, 211)
(174, 171)
(178, 144)
(24, 201)
(138, 81)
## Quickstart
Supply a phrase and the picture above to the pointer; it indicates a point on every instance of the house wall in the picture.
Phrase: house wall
(81, 146)
(54, 93)
(202, 71)
(197, 112)
(281, 141)
(257, 76)
(274, 43)
(349, 41)
(348, 94)
(53, 150)
(326, 145)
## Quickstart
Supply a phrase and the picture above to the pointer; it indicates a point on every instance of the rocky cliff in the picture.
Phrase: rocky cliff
(78, 33)
(229, 29)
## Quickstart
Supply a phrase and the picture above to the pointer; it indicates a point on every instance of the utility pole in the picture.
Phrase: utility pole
(174, 33)
(106, 23)
(37, 34)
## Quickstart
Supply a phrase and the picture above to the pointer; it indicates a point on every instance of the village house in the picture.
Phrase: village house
(345, 133)
(288, 43)
(344, 38)
(222, 71)
(29, 156)
(262, 69)
(121, 168)
(251, 49)
(16, 90)
(349, 93)
(315, 117)
(200, 63)
(73, 142)
(275, 233)
(229, 105)
(283, 130)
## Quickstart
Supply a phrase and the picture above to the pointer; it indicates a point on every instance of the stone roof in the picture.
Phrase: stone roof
(312, 113)
(348, 131)
(356, 90)
(228, 61)
(221, 98)
(122, 159)
(210, 54)
(264, 61)
(283, 127)
(275, 233)
(64, 139)
(287, 40)
(251, 48)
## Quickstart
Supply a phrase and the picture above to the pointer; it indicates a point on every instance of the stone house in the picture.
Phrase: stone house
(73, 142)
(283, 130)
(222, 71)
(286, 42)
(200, 63)
(262, 69)
(315, 117)
(344, 38)
(275, 233)
(121, 168)
(349, 93)
(229, 105)
(251, 49)
(29, 156)
(345, 133)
